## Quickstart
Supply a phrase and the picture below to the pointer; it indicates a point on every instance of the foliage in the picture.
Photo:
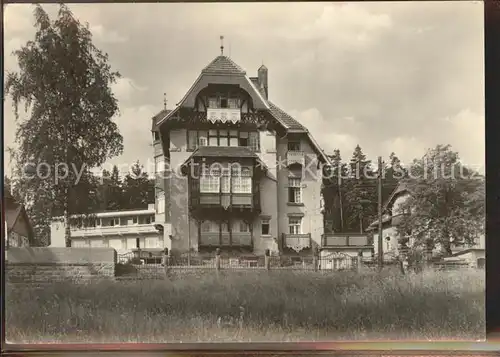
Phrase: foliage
(138, 188)
(347, 197)
(64, 83)
(361, 191)
(446, 202)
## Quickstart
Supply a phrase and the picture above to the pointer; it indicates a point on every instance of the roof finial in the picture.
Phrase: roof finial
(222, 45)
(165, 101)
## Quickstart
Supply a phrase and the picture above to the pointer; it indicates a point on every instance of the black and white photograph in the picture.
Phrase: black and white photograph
(244, 172)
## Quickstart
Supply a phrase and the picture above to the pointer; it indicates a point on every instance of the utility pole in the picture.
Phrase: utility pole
(380, 241)
(339, 186)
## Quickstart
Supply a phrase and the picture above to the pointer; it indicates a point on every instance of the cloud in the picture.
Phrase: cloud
(125, 88)
(107, 36)
(382, 75)
(326, 134)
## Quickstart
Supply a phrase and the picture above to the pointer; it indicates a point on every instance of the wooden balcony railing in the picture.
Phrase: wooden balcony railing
(114, 230)
(344, 240)
(295, 157)
(248, 201)
(225, 239)
(223, 115)
(297, 242)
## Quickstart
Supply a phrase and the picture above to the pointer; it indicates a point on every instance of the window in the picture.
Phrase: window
(254, 141)
(225, 183)
(265, 227)
(210, 180)
(78, 243)
(243, 140)
(294, 146)
(159, 164)
(123, 222)
(202, 138)
(156, 136)
(192, 139)
(152, 219)
(134, 220)
(209, 227)
(213, 139)
(212, 102)
(244, 227)
(97, 243)
(233, 138)
(233, 103)
(223, 103)
(151, 243)
(295, 225)
(223, 138)
(388, 245)
(161, 203)
(148, 220)
(294, 190)
(224, 227)
(241, 181)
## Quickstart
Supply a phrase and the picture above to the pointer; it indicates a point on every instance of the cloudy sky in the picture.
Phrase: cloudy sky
(398, 77)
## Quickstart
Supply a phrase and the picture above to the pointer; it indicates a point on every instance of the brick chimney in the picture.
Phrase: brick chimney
(262, 76)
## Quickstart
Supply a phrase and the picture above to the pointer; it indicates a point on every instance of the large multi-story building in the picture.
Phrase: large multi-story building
(125, 231)
(234, 171)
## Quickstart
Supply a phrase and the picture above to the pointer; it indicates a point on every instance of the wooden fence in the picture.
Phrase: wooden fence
(159, 266)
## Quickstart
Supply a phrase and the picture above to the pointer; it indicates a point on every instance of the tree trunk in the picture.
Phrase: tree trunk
(67, 221)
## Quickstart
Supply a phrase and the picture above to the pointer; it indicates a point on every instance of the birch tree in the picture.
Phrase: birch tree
(64, 83)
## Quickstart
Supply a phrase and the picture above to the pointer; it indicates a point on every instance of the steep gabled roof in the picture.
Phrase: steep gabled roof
(285, 119)
(223, 65)
(159, 117)
(401, 188)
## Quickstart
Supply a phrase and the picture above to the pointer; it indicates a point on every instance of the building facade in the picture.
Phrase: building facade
(18, 229)
(392, 218)
(125, 231)
(234, 171)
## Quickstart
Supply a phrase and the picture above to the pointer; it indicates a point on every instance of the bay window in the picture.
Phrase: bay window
(241, 181)
(223, 137)
(210, 181)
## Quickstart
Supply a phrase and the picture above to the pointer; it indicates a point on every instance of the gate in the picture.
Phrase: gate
(337, 261)
(139, 265)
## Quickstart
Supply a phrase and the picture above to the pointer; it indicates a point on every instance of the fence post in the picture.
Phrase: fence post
(267, 259)
(217, 260)
(428, 254)
(359, 261)
(166, 261)
(315, 259)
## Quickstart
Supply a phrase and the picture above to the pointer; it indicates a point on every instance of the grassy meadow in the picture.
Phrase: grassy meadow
(281, 306)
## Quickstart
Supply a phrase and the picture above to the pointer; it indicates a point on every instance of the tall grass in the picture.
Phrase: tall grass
(273, 306)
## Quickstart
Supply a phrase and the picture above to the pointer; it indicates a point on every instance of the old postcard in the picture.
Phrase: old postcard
(244, 172)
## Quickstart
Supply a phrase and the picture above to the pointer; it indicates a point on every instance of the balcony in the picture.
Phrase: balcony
(297, 242)
(341, 240)
(114, 230)
(295, 157)
(217, 203)
(225, 239)
(223, 115)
